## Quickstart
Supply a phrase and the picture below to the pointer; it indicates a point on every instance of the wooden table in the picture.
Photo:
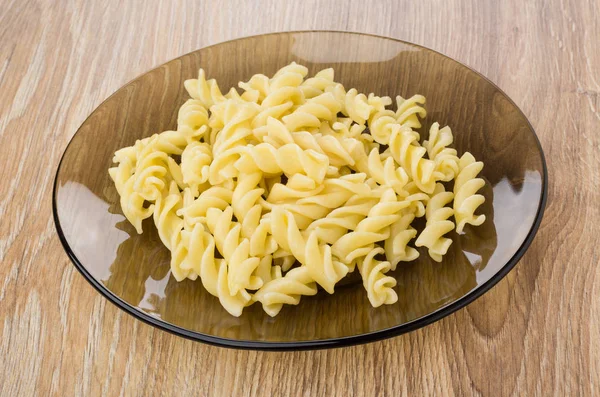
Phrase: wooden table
(537, 332)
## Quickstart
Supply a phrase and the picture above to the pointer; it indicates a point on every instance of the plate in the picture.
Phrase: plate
(132, 271)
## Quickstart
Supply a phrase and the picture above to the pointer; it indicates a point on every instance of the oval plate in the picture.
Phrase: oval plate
(132, 270)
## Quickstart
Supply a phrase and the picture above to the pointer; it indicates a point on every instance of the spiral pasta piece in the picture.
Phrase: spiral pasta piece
(287, 234)
(334, 193)
(322, 267)
(213, 272)
(237, 120)
(169, 142)
(266, 271)
(353, 104)
(409, 110)
(282, 88)
(387, 173)
(339, 221)
(235, 250)
(283, 95)
(265, 113)
(244, 202)
(205, 91)
(437, 224)
(293, 68)
(294, 182)
(195, 165)
(379, 287)
(381, 124)
(283, 259)
(169, 227)
(192, 120)
(316, 257)
(214, 197)
(289, 159)
(246, 193)
(312, 112)
(396, 245)
(154, 173)
(444, 157)
(466, 200)
(356, 106)
(338, 149)
(262, 242)
(144, 173)
(345, 128)
(378, 103)
(404, 147)
(285, 290)
(337, 191)
(374, 228)
(318, 84)
(298, 186)
(132, 202)
(257, 87)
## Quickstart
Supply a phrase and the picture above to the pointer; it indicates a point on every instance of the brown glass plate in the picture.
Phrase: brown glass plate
(132, 270)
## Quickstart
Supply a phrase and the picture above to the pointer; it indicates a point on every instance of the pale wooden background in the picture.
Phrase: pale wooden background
(537, 332)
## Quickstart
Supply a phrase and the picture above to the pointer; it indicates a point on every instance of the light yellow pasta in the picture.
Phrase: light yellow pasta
(286, 290)
(332, 194)
(316, 257)
(169, 227)
(466, 200)
(372, 229)
(235, 250)
(213, 272)
(144, 173)
(387, 173)
(289, 159)
(339, 221)
(356, 106)
(339, 150)
(444, 157)
(379, 286)
(192, 120)
(262, 242)
(236, 119)
(359, 247)
(285, 187)
(344, 128)
(406, 151)
(322, 266)
(205, 91)
(437, 224)
(132, 202)
(195, 165)
(257, 87)
(244, 202)
(409, 110)
(213, 197)
(310, 114)
(401, 233)
(318, 84)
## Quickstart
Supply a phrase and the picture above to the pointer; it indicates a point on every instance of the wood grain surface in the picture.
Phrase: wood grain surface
(536, 333)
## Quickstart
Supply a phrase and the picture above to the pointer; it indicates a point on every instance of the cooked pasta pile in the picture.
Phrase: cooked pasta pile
(295, 183)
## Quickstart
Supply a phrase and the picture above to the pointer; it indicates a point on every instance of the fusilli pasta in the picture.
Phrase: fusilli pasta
(288, 185)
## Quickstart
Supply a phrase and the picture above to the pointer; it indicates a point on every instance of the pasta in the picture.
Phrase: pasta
(437, 224)
(445, 158)
(466, 186)
(269, 193)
